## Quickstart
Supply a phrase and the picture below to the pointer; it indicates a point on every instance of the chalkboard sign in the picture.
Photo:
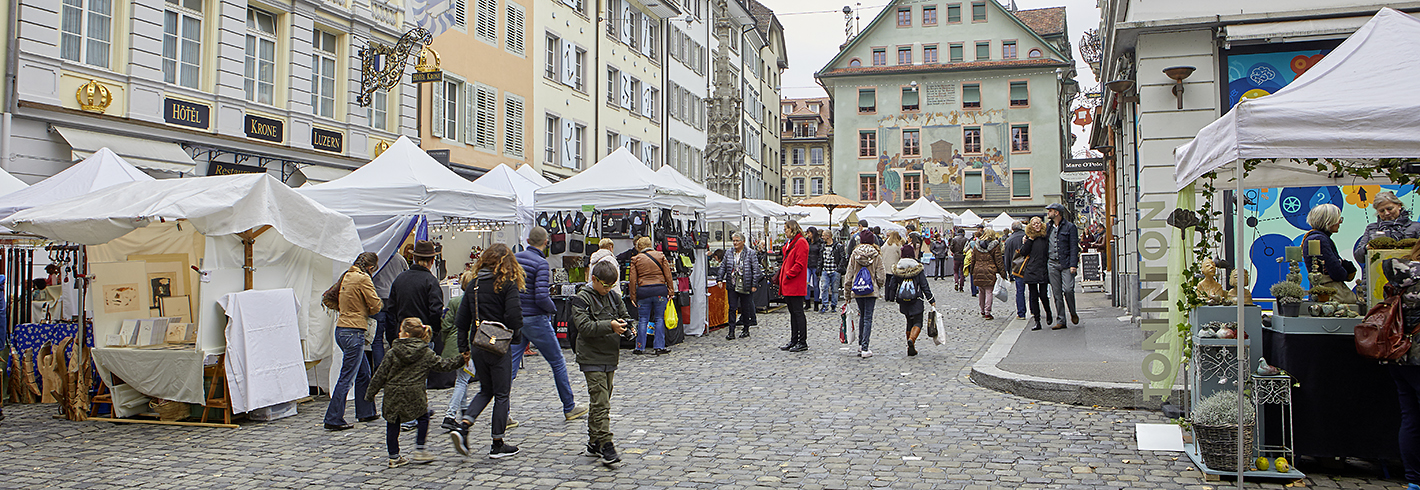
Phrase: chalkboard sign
(1090, 267)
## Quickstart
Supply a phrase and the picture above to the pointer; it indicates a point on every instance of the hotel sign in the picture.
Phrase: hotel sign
(265, 129)
(330, 141)
(183, 113)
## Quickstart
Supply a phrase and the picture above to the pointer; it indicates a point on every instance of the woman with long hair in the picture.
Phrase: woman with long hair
(891, 252)
(1403, 275)
(986, 265)
(495, 299)
(1036, 250)
(357, 303)
(794, 285)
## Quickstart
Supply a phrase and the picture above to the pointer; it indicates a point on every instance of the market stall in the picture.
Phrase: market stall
(1001, 222)
(182, 248)
(503, 178)
(968, 219)
(1300, 122)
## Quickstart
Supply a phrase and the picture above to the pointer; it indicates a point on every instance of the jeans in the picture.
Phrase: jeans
(538, 330)
(1020, 297)
(744, 304)
(456, 399)
(652, 314)
(956, 271)
(599, 387)
(798, 323)
(392, 434)
(377, 346)
(494, 380)
(828, 288)
(1062, 288)
(865, 321)
(813, 286)
(353, 367)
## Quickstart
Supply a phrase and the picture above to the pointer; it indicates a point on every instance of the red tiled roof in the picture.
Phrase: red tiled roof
(945, 67)
(1047, 22)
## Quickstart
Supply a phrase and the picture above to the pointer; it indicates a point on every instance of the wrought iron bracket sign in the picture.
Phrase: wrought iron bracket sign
(382, 66)
(1082, 165)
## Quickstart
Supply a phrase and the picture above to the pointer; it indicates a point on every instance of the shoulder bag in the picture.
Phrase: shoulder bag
(1018, 265)
(490, 336)
(1382, 334)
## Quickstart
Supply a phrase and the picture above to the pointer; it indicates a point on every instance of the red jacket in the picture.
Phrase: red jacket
(794, 274)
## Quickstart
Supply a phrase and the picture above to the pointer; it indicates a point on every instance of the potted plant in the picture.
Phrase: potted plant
(1215, 429)
(1322, 294)
(1289, 297)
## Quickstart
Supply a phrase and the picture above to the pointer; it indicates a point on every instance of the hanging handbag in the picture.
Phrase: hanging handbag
(577, 234)
(1018, 265)
(490, 336)
(1382, 334)
(557, 236)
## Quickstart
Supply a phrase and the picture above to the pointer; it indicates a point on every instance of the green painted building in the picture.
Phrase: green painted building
(959, 101)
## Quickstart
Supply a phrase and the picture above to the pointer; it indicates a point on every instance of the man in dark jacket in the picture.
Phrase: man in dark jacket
(939, 256)
(833, 260)
(1011, 247)
(958, 247)
(815, 265)
(538, 310)
(600, 317)
(416, 294)
(1064, 240)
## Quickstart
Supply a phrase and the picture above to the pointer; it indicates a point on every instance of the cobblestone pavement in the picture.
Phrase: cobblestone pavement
(713, 414)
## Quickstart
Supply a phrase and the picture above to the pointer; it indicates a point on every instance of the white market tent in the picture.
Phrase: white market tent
(1306, 119)
(760, 208)
(718, 208)
(531, 173)
(817, 216)
(618, 181)
(968, 219)
(1001, 222)
(872, 212)
(388, 195)
(102, 169)
(923, 210)
(8, 183)
(506, 179)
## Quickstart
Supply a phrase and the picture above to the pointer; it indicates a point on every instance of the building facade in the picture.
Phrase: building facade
(961, 103)
(191, 87)
(807, 138)
(483, 117)
(688, 87)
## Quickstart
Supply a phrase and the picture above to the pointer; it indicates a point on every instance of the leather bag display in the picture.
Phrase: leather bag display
(1382, 334)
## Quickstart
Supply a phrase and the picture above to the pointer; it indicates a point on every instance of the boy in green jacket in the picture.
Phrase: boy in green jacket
(599, 315)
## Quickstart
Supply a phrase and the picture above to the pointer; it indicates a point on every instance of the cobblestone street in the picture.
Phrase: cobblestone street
(712, 414)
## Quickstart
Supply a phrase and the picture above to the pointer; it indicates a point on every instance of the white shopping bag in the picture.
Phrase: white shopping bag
(1000, 291)
(934, 326)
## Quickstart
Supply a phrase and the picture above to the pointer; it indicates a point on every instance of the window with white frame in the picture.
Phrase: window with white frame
(378, 112)
(486, 21)
(579, 145)
(613, 141)
(260, 61)
(514, 29)
(911, 186)
(652, 155)
(1020, 138)
(551, 140)
(654, 101)
(581, 70)
(485, 117)
(551, 56)
(613, 8)
(512, 125)
(448, 109)
(798, 156)
(816, 186)
(798, 186)
(182, 43)
(323, 73)
(613, 77)
(86, 31)
(816, 155)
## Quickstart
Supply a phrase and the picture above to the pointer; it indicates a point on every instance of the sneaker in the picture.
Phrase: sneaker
(592, 450)
(512, 424)
(609, 455)
(398, 461)
(460, 438)
(576, 413)
(1020, 317)
(502, 451)
(662, 352)
(867, 353)
(422, 457)
(450, 424)
(408, 426)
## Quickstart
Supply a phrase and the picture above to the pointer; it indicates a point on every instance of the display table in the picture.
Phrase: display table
(719, 305)
(1346, 404)
(29, 337)
(170, 374)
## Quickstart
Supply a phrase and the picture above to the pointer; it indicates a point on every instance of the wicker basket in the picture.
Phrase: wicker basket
(1218, 445)
(170, 411)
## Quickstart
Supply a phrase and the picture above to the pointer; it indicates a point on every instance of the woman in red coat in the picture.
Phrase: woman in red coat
(794, 285)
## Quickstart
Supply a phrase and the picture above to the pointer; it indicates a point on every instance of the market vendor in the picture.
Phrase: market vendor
(1392, 220)
(1325, 219)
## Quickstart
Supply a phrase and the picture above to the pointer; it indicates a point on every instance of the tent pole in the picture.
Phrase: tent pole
(248, 240)
(1241, 254)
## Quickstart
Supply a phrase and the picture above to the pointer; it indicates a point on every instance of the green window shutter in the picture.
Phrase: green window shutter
(909, 96)
(1019, 92)
(972, 184)
(971, 94)
(983, 51)
(867, 98)
(1020, 183)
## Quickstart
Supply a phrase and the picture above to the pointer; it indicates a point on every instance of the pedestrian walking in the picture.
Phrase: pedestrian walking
(957, 245)
(402, 379)
(651, 285)
(908, 287)
(458, 399)
(1013, 244)
(833, 260)
(1036, 271)
(891, 250)
(416, 294)
(986, 267)
(793, 285)
(740, 270)
(495, 298)
(940, 250)
(356, 303)
(1064, 258)
(815, 265)
(538, 309)
(391, 269)
(864, 284)
(599, 316)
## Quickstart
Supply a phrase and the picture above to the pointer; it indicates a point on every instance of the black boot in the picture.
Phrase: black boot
(743, 333)
(911, 348)
(789, 345)
(730, 332)
(1036, 321)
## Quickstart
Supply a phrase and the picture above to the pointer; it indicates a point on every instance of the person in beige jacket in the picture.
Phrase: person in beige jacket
(358, 301)
(864, 257)
(651, 286)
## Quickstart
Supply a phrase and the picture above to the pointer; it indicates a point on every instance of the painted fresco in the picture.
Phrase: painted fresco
(1256, 75)
(942, 163)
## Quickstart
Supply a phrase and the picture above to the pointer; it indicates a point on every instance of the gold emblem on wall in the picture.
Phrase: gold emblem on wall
(93, 97)
(381, 147)
(428, 60)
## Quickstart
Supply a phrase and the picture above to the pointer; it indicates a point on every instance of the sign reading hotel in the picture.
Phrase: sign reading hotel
(265, 129)
(326, 140)
(184, 113)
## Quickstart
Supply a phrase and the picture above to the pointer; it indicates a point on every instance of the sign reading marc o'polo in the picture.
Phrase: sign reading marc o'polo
(184, 113)
(265, 129)
(331, 141)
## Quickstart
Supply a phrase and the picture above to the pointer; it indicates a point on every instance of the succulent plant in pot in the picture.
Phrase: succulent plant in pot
(1289, 297)
(1215, 429)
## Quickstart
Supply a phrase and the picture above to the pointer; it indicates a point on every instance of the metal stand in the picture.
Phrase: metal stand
(1273, 390)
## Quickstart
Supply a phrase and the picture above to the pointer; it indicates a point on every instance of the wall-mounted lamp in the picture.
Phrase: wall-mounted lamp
(1120, 87)
(1178, 74)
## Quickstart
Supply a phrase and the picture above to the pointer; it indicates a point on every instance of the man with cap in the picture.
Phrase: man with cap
(1064, 240)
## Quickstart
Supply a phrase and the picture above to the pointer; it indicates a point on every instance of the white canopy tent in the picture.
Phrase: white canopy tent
(1306, 119)
(1001, 222)
(816, 216)
(760, 208)
(531, 173)
(923, 210)
(102, 169)
(718, 208)
(872, 212)
(8, 183)
(968, 219)
(618, 181)
(503, 178)
(388, 195)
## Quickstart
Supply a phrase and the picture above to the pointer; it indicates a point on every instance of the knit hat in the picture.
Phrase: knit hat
(867, 237)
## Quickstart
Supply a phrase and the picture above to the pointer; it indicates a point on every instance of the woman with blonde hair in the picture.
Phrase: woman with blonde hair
(1036, 250)
(891, 252)
(651, 286)
(495, 298)
(605, 252)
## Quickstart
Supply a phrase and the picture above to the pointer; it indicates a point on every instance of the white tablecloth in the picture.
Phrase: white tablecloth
(170, 374)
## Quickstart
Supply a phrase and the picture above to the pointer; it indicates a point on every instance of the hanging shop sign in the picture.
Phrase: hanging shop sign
(184, 113)
(219, 168)
(265, 129)
(382, 66)
(427, 68)
(1082, 165)
(331, 141)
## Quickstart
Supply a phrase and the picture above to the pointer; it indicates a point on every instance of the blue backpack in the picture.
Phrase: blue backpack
(862, 282)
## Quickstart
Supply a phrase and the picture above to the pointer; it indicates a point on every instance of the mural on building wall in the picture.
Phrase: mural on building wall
(942, 164)
(1255, 75)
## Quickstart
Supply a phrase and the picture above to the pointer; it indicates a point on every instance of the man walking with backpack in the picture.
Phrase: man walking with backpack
(865, 267)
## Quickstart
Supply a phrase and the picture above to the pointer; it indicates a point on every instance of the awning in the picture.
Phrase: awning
(1294, 31)
(142, 153)
(322, 173)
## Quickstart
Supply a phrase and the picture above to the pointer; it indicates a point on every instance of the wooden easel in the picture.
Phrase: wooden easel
(222, 402)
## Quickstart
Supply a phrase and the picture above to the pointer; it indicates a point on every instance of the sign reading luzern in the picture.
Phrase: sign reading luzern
(331, 141)
(265, 129)
(183, 113)
(1082, 165)
(219, 168)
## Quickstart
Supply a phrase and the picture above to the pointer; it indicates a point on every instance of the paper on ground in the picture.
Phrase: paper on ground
(1159, 437)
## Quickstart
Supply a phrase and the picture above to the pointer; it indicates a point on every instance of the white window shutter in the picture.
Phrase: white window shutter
(625, 91)
(645, 34)
(569, 64)
(437, 129)
(569, 143)
(646, 102)
(470, 108)
(626, 22)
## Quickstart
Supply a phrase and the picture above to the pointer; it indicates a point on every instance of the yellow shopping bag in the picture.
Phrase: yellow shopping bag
(672, 316)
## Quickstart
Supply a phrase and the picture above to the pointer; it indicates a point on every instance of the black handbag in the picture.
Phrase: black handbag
(490, 336)
(682, 299)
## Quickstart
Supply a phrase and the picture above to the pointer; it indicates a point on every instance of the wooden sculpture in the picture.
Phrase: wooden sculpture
(49, 379)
